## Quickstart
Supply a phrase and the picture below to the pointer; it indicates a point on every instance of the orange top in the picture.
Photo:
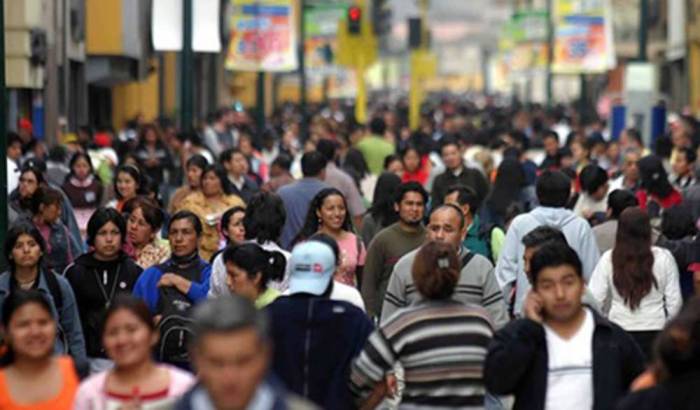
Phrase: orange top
(64, 399)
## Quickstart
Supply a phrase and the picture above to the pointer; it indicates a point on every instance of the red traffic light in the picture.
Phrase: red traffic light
(355, 13)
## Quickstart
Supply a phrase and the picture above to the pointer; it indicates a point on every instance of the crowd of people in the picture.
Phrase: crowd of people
(495, 258)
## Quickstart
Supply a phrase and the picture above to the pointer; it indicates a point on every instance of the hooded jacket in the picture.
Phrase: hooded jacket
(315, 341)
(95, 283)
(577, 231)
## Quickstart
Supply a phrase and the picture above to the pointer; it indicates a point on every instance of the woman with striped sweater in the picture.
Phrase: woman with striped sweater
(440, 343)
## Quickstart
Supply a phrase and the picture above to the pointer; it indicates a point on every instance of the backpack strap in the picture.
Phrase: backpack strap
(55, 289)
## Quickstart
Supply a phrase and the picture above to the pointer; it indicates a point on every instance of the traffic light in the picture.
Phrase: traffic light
(354, 20)
(381, 17)
(415, 33)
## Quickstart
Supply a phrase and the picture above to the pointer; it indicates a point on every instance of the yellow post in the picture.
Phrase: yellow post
(414, 97)
(361, 98)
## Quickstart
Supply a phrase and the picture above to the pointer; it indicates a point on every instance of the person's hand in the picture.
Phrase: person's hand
(532, 306)
(384, 388)
(157, 319)
(644, 380)
(392, 386)
(176, 281)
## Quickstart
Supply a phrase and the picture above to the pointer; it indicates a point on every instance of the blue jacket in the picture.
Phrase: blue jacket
(146, 287)
(314, 341)
(578, 233)
(70, 333)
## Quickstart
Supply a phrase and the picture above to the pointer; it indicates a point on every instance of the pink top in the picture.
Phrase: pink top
(352, 255)
(92, 394)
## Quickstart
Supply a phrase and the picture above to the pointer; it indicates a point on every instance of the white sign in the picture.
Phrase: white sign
(166, 25)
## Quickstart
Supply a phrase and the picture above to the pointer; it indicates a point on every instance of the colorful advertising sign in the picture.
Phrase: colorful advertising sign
(263, 36)
(582, 37)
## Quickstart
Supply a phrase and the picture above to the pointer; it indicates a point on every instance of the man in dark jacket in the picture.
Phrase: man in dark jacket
(231, 351)
(315, 338)
(563, 355)
(456, 173)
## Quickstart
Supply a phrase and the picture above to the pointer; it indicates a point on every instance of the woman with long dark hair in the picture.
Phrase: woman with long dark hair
(128, 184)
(328, 213)
(31, 376)
(509, 188)
(24, 250)
(636, 283)
(99, 276)
(152, 153)
(209, 204)
(136, 381)
(382, 212)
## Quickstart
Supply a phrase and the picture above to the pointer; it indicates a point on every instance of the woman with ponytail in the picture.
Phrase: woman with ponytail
(637, 284)
(249, 268)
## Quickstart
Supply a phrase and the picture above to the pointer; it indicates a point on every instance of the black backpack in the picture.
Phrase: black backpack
(175, 326)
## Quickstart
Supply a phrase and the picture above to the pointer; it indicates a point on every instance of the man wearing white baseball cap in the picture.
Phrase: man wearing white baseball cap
(316, 338)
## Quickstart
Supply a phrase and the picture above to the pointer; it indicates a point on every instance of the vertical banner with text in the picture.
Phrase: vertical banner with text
(263, 36)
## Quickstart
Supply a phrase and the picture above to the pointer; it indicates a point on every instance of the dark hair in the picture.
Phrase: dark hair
(455, 208)
(13, 302)
(677, 222)
(135, 173)
(264, 217)
(328, 240)
(592, 177)
(407, 187)
(632, 258)
(220, 173)
(555, 254)
(34, 169)
(16, 230)
(547, 134)
(46, 196)
(510, 179)
(448, 140)
(13, 138)
(327, 148)
(312, 223)
(541, 235)
(226, 219)
(436, 270)
(677, 347)
(382, 209)
(553, 189)
(125, 301)
(152, 213)
(253, 259)
(77, 156)
(190, 216)
(101, 217)
(377, 126)
(690, 154)
(389, 159)
(197, 161)
(653, 176)
(283, 161)
(408, 148)
(465, 196)
(312, 164)
(634, 134)
(227, 154)
(619, 200)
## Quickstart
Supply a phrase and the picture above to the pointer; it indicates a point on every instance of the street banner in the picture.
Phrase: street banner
(263, 36)
(583, 41)
(166, 25)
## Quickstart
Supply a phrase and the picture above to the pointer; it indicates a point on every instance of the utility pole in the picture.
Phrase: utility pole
(260, 101)
(304, 126)
(3, 128)
(643, 35)
(186, 68)
(550, 51)
(415, 92)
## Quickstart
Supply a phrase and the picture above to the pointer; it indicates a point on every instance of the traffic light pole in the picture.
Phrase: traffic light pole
(304, 126)
(550, 52)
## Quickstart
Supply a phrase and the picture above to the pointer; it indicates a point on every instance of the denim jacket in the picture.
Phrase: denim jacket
(69, 332)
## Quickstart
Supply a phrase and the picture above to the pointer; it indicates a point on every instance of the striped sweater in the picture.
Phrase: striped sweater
(441, 345)
(477, 285)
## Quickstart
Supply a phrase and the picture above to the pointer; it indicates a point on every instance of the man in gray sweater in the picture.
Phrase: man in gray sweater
(477, 283)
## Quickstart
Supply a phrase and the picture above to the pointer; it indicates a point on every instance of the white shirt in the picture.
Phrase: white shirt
(344, 293)
(12, 175)
(570, 368)
(657, 307)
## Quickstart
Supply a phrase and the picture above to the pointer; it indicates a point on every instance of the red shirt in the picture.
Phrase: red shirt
(672, 199)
